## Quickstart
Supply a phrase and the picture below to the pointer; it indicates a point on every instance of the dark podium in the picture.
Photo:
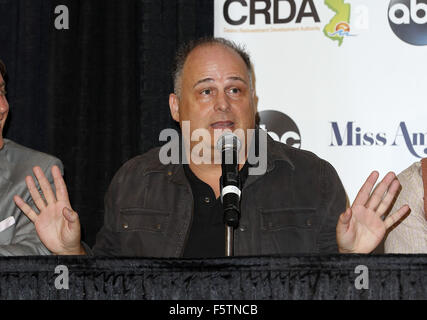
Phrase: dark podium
(267, 277)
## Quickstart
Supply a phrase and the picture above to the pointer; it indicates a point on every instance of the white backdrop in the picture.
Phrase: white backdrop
(373, 81)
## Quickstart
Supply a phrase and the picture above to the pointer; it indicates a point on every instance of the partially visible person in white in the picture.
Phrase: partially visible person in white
(410, 235)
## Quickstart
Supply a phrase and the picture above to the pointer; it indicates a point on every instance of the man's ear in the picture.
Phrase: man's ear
(174, 106)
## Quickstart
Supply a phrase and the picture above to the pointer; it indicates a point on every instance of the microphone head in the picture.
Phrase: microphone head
(228, 140)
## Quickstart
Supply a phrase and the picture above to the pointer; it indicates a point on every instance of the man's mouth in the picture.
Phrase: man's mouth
(222, 125)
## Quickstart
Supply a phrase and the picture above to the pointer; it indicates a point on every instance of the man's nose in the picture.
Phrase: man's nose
(222, 103)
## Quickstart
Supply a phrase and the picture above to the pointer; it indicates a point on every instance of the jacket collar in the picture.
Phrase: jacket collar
(5, 165)
(276, 151)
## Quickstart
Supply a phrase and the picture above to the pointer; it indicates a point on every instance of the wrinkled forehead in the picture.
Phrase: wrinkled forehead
(216, 59)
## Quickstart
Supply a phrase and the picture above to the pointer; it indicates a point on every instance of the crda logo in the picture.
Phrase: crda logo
(280, 127)
(408, 20)
(273, 12)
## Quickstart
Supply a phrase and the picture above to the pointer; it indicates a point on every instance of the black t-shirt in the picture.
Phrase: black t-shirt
(207, 233)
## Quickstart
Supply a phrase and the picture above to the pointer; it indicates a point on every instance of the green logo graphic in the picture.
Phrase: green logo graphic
(339, 26)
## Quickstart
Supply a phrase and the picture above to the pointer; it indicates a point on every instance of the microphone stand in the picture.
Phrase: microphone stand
(229, 241)
(230, 196)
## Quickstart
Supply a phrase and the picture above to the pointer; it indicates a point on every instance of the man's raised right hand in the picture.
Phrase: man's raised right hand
(57, 225)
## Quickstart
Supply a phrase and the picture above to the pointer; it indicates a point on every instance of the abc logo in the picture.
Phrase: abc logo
(408, 20)
(280, 127)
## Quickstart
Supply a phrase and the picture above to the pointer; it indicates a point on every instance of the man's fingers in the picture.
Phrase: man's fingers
(392, 219)
(25, 208)
(44, 185)
(69, 215)
(346, 217)
(344, 221)
(364, 192)
(378, 194)
(388, 199)
(38, 200)
(60, 186)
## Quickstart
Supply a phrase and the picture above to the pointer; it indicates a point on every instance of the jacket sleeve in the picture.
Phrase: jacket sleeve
(25, 240)
(334, 202)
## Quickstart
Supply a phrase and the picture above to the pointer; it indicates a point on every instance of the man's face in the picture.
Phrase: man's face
(4, 108)
(215, 92)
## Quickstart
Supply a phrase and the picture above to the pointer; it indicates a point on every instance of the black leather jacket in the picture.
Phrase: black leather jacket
(292, 208)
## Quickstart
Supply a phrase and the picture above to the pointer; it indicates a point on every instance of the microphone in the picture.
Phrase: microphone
(229, 145)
